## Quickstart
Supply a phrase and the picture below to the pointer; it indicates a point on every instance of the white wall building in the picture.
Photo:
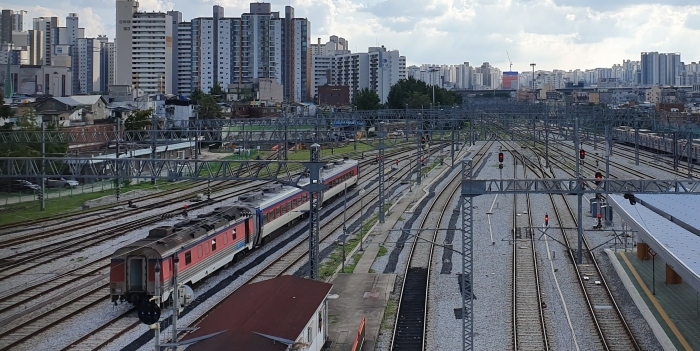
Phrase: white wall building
(184, 58)
(123, 41)
(46, 25)
(152, 55)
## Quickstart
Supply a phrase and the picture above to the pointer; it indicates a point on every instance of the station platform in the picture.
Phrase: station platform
(359, 295)
(671, 310)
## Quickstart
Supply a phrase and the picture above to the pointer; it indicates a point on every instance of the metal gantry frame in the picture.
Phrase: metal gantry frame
(475, 187)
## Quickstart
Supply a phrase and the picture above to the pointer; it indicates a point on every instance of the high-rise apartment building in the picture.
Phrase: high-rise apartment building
(6, 26)
(123, 41)
(88, 54)
(36, 47)
(47, 26)
(18, 20)
(152, 52)
(298, 78)
(106, 63)
(660, 68)
(184, 58)
(176, 17)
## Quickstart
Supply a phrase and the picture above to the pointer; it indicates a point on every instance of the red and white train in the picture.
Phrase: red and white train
(210, 241)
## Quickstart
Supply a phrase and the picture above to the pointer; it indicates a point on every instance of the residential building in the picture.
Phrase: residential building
(36, 47)
(18, 20)
(123, 45)
(296, 39)
(176, 17)
(89, 65)
(383, 70)
(323, 68)
(660, 68)
(152, 52)
(106, 63)
(184, 58)
(6, 26)
(20, 39)
(333, 45)
(47, 26)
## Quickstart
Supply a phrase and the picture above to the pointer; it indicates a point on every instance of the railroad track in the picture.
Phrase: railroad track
(284, 264)
(411, 323)
(613, 331)
(530, 326)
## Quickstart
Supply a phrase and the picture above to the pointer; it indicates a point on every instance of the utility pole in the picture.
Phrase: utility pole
(116, 160)
(533, 76)
(154, 128)
(380, 170)
(43, 167)
(362, 217)
(176, 305)
(579, 221)
(156, 325)
(345, 229)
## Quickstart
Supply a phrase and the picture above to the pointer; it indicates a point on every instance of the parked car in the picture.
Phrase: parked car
(19, 186)
(61, 183)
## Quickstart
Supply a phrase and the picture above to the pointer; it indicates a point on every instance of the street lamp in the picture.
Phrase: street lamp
(533, 75)
(432, 70)
(362, 217)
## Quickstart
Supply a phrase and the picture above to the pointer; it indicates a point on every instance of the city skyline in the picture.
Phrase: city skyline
(549, 33)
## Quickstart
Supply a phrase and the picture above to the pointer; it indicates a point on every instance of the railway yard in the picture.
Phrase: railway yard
(528, 291)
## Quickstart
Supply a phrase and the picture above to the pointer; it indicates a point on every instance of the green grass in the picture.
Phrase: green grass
(350, 268)
(329, 153)
(24, 211)
(335, 259)
(382, 251)
(389, 315)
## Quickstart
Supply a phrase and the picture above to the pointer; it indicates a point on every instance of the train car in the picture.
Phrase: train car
(204, 244)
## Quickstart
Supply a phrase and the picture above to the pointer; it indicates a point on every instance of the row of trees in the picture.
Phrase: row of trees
(407, 92)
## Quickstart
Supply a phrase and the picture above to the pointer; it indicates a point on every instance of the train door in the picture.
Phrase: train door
(136, 273)
(247, 230)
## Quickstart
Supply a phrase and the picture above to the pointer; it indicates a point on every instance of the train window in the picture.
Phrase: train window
(206, 248)
(225, 240)
(294, 203)
(279, 211)
(188, 258)
(213, 245)
(199, 248)
(233, 235)
(284, 208)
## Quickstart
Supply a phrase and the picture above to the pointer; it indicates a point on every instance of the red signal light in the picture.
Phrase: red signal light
(422, 140)
(582, 154)
(600, 215)
(500, 157)
(598, 178)
(546, 220)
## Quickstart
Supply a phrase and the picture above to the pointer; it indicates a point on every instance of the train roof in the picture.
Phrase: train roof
(168, 239)
(274, 193)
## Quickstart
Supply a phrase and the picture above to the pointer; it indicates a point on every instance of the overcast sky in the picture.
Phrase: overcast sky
(555, 34)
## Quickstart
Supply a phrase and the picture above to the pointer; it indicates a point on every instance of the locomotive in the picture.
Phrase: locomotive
(204, 244)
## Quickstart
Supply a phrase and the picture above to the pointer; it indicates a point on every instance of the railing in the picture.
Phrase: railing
(360, 337)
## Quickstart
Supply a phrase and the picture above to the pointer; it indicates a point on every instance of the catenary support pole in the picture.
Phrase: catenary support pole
(345, 228)
(467, 260)
(154, 130)
(176, 304)
(315, 190)
(380, 170)
(159, 293)
(579, 254)
(43, 166)
(116, 160)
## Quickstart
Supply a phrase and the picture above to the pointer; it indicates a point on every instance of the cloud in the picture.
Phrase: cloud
(564, 34)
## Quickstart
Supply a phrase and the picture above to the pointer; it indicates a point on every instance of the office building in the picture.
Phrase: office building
(6, 26)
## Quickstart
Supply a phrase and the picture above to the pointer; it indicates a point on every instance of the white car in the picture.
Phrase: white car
(61, 183)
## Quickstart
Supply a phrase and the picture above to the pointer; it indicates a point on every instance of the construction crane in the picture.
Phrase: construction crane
(509, 61)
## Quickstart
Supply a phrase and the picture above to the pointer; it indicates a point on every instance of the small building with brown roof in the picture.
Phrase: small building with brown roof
(283, 313)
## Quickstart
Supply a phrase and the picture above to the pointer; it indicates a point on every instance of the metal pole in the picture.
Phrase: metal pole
(636, 143)
(116, 159)
(176, 305)
(452, 145)
(546, 143)
(43, 167)
(153, 143)
(467, 261)
(690, 159)
(579, 256)
(345, 229)
(653, 275)
(315, 190)
(362, 217)
(381, 172)
(158, 294)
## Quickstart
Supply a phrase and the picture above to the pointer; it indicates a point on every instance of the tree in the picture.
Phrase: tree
(366, 100)
(417, 94)
(28, 119)
(196, 95)
(208, 108)
(139, 120)
(6, 111)
(216, 90)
